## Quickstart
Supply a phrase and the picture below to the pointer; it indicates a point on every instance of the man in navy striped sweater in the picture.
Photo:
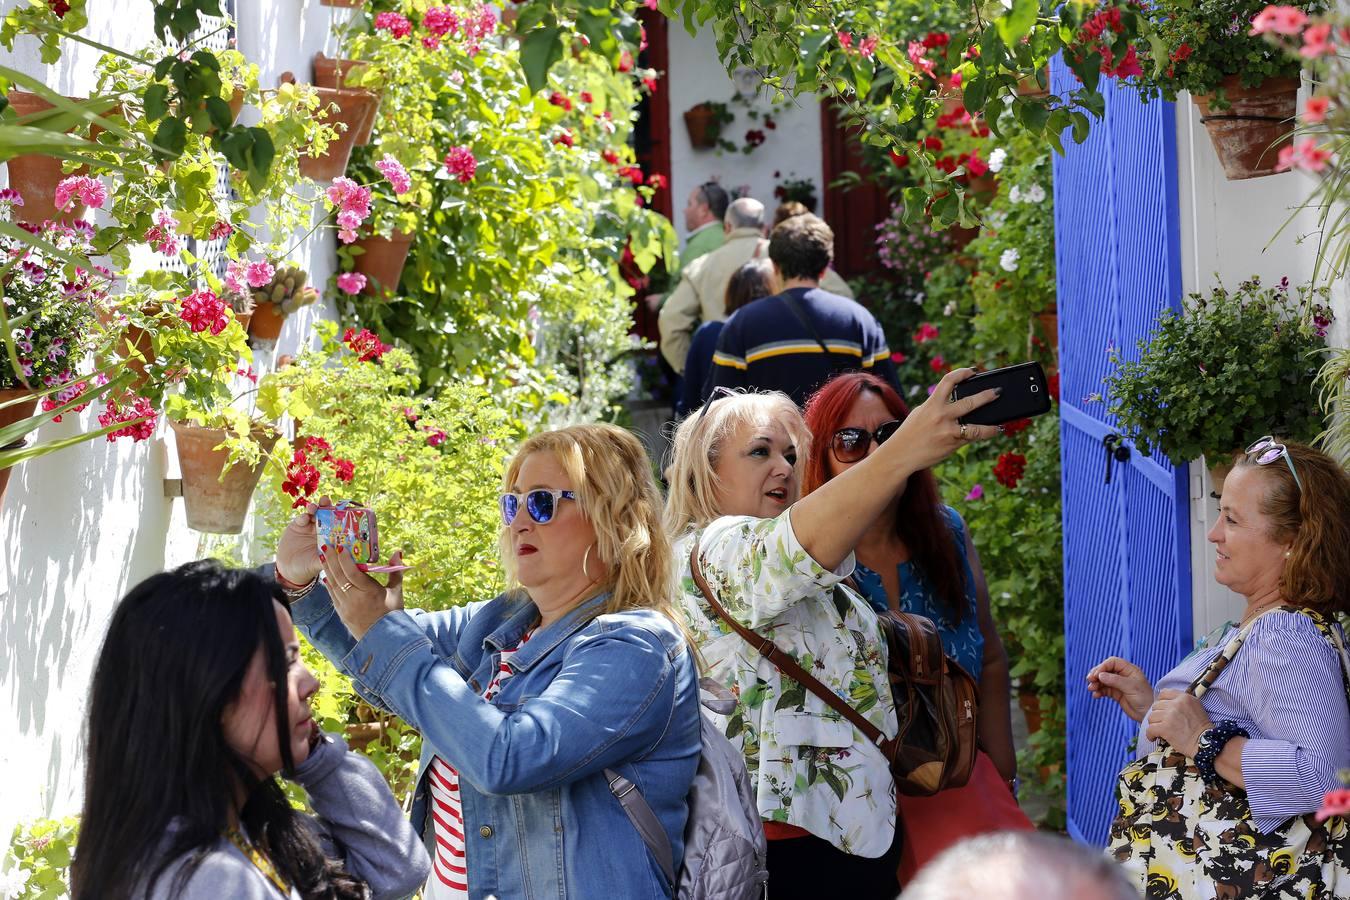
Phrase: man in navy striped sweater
(794, 341)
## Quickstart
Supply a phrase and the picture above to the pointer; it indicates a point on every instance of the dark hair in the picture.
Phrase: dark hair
(160, 779)
(801, 247)
(919, 520)
(788, 210)
(749, 283)
(1315, 522)
(716, 197)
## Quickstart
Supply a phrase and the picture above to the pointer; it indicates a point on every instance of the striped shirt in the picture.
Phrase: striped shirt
(765, 347)
(1286, 687)
(450, 867)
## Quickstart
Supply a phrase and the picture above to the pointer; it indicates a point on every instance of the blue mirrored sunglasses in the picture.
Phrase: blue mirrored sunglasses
(1267, 450)
(541, 504)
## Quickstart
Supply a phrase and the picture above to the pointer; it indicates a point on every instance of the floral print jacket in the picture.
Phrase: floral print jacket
(809, 766)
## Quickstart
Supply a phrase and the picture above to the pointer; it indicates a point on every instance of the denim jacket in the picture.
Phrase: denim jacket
(588, 692)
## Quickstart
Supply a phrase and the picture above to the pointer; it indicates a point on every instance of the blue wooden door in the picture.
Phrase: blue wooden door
(1126, 544)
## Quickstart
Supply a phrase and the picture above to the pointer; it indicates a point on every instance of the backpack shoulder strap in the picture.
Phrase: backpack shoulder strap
(804, 318)
(781, 660)
(648, 826)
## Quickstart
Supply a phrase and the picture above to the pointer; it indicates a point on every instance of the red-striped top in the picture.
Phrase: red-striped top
(450, 867)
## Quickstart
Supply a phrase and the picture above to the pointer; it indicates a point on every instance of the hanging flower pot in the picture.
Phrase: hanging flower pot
(382, 262)
(347, 108)
(1249, 135)
(236, 104)
(214, 503)
(1035, 85)
(8, 416)
(333, 73)
(35, 175)
(266, 322)
(704, 123)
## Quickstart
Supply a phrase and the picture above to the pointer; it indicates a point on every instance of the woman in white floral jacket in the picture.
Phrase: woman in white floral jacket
(776, 564)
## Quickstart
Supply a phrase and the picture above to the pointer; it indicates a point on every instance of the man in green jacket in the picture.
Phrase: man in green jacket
(703, 215)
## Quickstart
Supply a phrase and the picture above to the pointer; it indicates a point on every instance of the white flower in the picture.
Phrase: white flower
(13, 883)
(950, 309)
(1035, 194)
(918, 298)
(1008, 261)
(996, 159)
(1015, 195)
(996, 218)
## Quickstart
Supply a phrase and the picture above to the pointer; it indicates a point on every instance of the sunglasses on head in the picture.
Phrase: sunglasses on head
(1267, 450)
(850, 445)
(541, 504)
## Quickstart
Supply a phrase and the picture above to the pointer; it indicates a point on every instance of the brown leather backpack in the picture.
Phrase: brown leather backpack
(935, 699)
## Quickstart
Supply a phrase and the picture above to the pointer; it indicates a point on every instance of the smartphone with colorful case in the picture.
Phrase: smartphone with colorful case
(352, 527)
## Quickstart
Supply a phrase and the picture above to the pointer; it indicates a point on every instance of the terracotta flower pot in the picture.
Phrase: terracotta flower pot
(215, 504)
(1030, 705)
(236, 103)
(35, 176)
(352, 110)
(244, 320)
(983, 186)
(1249, 135)
(382, 262)
(333, 73)
(962, 236)
(1049, 322)
(8, 416)
(698, 121)
(266, 322)
(1036, 85)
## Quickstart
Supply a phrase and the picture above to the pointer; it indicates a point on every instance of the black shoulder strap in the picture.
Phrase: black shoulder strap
(805, 319)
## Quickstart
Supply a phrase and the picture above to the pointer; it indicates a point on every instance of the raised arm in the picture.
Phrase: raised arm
(360, 821)
(831, 520)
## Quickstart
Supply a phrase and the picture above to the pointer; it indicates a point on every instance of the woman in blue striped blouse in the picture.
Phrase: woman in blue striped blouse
(1274, 724)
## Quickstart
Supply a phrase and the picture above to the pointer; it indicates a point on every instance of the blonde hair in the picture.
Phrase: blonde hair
(698, 445)
(617, 494)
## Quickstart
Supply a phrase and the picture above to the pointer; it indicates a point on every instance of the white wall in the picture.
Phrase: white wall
(83, 525)
(695, 75)
(1228, 228)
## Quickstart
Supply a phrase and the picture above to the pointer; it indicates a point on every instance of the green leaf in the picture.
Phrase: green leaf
(539, 50)
(1015, 23)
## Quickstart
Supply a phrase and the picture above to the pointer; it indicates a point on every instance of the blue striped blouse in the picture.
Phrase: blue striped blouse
(1285, 687)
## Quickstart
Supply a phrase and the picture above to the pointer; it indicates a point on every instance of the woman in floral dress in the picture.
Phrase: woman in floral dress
(776, 564)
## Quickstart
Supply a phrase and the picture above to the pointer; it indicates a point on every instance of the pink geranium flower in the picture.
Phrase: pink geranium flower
(87, 190)
(351, 282)
(440, 21)
(927, 332)
(161, 235)
(203, 310)
(1306, 156)
(1335, 803)
(396, 24)
(976, 492)
(1287, 20)
(259, 274)
(1315, 110)
(115, 413)
(460, 163)
(393, 170)
(916, 51)
(1317, 41)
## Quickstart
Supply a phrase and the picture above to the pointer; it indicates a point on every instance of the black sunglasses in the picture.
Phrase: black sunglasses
(717, 394)
(849, 445)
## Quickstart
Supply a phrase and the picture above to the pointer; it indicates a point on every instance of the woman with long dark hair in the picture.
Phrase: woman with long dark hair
(918, 556)
(199, 699)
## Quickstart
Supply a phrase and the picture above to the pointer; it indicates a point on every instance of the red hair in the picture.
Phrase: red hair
(919, 519)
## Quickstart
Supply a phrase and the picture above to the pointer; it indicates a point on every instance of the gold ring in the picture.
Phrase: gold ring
(346, 587)
(964, 436)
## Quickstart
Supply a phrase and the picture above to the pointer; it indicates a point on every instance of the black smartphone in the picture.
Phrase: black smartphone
(1025, 394)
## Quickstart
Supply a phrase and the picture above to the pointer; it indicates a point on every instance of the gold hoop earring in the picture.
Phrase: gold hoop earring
(586, 560)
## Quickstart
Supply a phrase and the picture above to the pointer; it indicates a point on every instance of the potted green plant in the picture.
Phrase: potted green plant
(705, 123)
(274, 301)
(801, 190)
(1228, 368)
(1245, 87)
(51, 309)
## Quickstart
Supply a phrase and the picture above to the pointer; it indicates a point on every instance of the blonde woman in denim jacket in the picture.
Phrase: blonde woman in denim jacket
(777, 564)
(524, 700)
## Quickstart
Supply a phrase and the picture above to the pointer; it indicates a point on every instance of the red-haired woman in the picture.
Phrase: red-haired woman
(918, 556)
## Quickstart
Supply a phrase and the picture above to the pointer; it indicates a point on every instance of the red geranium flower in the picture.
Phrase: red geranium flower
(1010, 468)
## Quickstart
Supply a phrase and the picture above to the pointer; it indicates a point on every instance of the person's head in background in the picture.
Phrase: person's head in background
(789, 210)
(745, 212)
(801, 248)
(707, 203)
(750, 282)
(1020, 865)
